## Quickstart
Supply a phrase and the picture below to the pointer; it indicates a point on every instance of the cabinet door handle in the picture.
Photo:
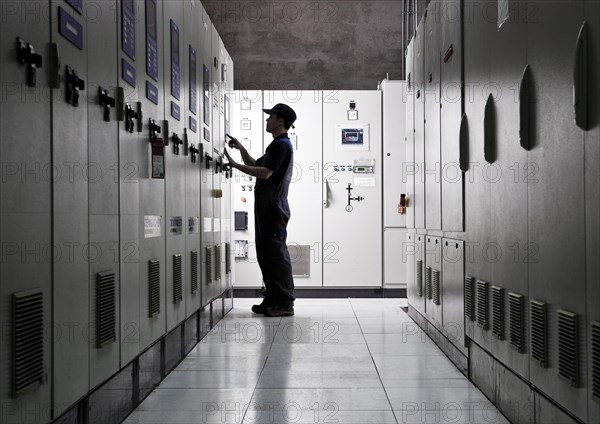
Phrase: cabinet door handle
(464, 144)
(580, 79)
(525, 108)
(489, 130)
(325, 193)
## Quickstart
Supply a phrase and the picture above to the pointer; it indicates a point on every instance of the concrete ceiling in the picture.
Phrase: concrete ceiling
(307, 45)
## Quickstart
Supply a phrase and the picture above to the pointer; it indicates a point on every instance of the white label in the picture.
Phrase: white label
(152, 226)
(193, 224)
(176, 225)
(364, 181)
(217, 225)
(207, 225)
(72, 29)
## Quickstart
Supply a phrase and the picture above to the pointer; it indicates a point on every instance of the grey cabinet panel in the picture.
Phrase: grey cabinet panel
(408, 167)
(25, 196)
(556, 199)
(419, 153)
(453, 275)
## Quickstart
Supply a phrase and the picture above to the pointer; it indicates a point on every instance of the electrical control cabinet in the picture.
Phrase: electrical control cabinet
(556, 201)
(25, 212)
(451, 115)
(409, 165)
(175, 37)
(143, 226)
(592, 202)
(70, 207)
(207, 158)
(103, 151)
(432, 171)
(191, 121)
(352, 222)
(418, 200)
(247, 126)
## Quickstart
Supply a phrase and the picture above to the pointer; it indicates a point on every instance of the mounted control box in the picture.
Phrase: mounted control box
(364, 166)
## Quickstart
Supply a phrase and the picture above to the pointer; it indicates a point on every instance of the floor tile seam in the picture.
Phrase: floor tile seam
(261, 372)
(374, 364)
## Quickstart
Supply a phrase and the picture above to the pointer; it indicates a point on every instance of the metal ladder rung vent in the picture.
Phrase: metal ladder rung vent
(419, 281)
(436, 286)
(209, 264)
(538, 333)
(595, 336)
(470, 298)
(153, 287)
(28, 340)
(481, 296)
(194, 270)
(227, 258)
(498, 312)
(106, 298)
(217, 262)
(516, 317)
(568, 347)
(428, 293)
(177, 279)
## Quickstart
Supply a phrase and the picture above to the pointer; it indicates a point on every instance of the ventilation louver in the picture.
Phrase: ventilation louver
(106, 298)
(428, 293)
(154, 287)
(217, 262)
(516, 311)
(482, 289)
(595, 330)
(568, 347)
(209, 264)
(28, 340)
(538, 333)
(498, 312)
(470, 298)
(177, 279)
(436, 286)
(419, 278)
(194, 270)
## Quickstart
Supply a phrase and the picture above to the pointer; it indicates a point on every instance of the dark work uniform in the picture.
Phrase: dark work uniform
(272, 213)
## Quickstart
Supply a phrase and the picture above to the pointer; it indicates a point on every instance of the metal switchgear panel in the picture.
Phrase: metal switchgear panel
(193, 94)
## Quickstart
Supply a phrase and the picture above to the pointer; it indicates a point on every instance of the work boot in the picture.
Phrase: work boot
(260, 309)
(279, 311)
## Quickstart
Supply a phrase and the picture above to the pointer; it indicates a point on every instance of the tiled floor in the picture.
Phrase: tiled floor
(346, 361)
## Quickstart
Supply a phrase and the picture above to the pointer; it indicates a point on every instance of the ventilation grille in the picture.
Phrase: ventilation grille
(227, 258)
(538, 333)
(568, 347)
(498, 312)
(516, 312)
(428, 293)
(596, 361)
(419, 278)
(177, 279)
(28, 340)
(209, 264)
(300, 257)
(194, 266)
(154, 287)
(436, 287)
(217, 262)
(470, 298)
(482, 304)
(106, 299)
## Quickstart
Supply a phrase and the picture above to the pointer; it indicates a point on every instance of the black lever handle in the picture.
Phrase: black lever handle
(176, 143)
(74, 85)
(130, 115)
(105, 100)
(26, 55)
(193, 152)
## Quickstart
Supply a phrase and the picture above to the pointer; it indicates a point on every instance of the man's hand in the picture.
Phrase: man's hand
(234, 143)
(231, 163)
